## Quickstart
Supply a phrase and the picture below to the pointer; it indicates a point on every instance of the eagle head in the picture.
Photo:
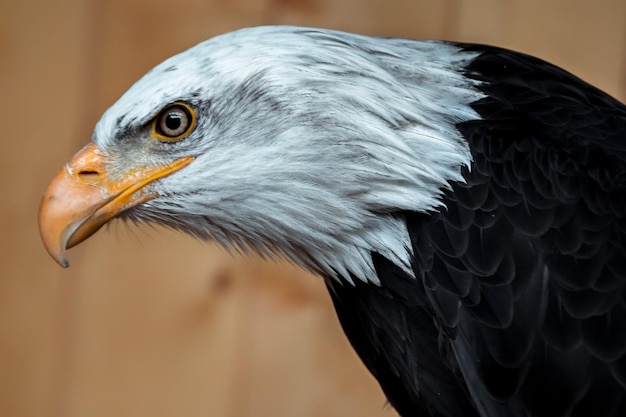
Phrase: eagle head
(305, 143)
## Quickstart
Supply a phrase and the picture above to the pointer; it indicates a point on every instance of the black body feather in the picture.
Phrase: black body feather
(519, 307)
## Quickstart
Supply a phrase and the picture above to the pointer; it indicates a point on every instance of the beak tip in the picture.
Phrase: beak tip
(58, 256)
(63, 262)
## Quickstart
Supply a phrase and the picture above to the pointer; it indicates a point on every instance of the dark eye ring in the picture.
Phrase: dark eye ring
(174, 122)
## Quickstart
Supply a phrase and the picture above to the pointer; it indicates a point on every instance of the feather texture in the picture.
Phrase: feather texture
(524, 271)
(307, 141)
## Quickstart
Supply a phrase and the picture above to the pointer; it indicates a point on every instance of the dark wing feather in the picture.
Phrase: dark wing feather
(520, 305)
(550, 323)
(392, 330)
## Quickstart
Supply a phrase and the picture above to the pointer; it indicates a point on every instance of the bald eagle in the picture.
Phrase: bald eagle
(464, 204)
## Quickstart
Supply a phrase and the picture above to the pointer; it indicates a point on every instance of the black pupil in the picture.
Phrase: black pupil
(173, 120)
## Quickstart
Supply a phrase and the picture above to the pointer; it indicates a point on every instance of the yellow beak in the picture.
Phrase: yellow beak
(82, 198)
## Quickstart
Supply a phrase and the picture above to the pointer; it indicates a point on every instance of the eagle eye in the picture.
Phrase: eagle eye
(174, 122)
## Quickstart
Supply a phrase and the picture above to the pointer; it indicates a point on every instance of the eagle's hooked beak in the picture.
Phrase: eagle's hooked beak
(83, 197)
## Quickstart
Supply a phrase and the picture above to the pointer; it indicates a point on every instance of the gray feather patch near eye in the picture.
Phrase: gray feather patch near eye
(312, 143)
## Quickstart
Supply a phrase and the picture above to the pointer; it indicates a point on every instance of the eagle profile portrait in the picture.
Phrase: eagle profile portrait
(464, 204)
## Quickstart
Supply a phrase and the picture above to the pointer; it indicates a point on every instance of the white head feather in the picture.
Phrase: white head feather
(309, 143)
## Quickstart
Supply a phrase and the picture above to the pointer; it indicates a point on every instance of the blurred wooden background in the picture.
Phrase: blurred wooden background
(151, 323)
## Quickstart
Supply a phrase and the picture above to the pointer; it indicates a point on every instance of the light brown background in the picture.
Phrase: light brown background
(152, 323)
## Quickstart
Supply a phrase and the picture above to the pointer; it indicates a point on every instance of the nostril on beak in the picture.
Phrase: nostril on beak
(89, 177)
